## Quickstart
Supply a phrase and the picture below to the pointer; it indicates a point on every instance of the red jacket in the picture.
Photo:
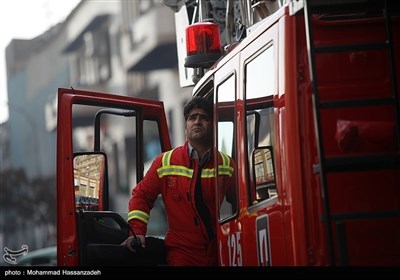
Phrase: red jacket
(173, 175)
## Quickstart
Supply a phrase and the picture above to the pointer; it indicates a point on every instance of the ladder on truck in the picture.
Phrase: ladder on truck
(328, 164)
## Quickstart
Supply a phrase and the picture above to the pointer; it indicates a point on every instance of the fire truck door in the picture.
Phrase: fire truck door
(229, 232)
(245, 87)
(104, 145)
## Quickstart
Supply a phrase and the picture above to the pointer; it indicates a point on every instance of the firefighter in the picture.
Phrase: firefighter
(185, 177)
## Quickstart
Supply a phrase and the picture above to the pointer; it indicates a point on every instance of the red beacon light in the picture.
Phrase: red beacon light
(203, 45)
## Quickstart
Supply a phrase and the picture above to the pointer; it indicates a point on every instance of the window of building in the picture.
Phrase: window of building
(92, 61)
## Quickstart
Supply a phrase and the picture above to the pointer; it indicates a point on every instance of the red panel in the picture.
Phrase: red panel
(67, 239)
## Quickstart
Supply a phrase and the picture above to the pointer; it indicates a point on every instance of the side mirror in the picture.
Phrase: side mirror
(264, 173)
(89, 177)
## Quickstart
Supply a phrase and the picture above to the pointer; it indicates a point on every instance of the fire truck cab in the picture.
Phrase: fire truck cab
(307, 105)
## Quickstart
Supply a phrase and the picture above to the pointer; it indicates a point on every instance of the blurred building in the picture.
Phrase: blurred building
(4, 146)
(120, 47)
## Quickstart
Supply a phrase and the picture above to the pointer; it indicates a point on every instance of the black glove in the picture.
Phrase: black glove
(136, 243)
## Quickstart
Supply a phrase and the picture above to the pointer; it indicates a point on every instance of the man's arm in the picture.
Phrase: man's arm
(143, 197)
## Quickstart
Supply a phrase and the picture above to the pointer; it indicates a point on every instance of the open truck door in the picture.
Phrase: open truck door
(104, 144)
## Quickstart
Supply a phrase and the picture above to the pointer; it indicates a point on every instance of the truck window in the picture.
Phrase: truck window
(260, 86)
(119, 142)
(226, 94)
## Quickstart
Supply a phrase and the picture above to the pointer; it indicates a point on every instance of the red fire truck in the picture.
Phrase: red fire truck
(306, 102)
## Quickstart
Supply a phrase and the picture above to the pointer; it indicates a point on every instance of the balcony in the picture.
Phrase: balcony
(152, 42)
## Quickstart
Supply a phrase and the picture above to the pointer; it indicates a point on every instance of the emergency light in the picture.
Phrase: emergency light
(203, 45)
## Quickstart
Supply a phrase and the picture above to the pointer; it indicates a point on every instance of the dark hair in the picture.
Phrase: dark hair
(198, 103)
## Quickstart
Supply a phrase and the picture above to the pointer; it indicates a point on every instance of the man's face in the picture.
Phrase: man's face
(198, 127)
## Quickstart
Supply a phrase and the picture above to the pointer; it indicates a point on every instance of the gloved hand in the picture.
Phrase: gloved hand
(134, 243)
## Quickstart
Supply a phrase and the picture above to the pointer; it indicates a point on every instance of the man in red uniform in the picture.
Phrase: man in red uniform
(185, 177)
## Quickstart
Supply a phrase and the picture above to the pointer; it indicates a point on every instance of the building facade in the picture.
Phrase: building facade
(120, 47)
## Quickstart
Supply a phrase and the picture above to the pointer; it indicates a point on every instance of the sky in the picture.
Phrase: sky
(26, 19)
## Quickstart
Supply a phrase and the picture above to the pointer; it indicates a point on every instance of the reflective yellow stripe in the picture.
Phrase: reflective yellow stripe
(225, 159)
(208, 173)
(166, 159)
(222, 171)
(140, 215)
(177, 170)
(225, 170)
